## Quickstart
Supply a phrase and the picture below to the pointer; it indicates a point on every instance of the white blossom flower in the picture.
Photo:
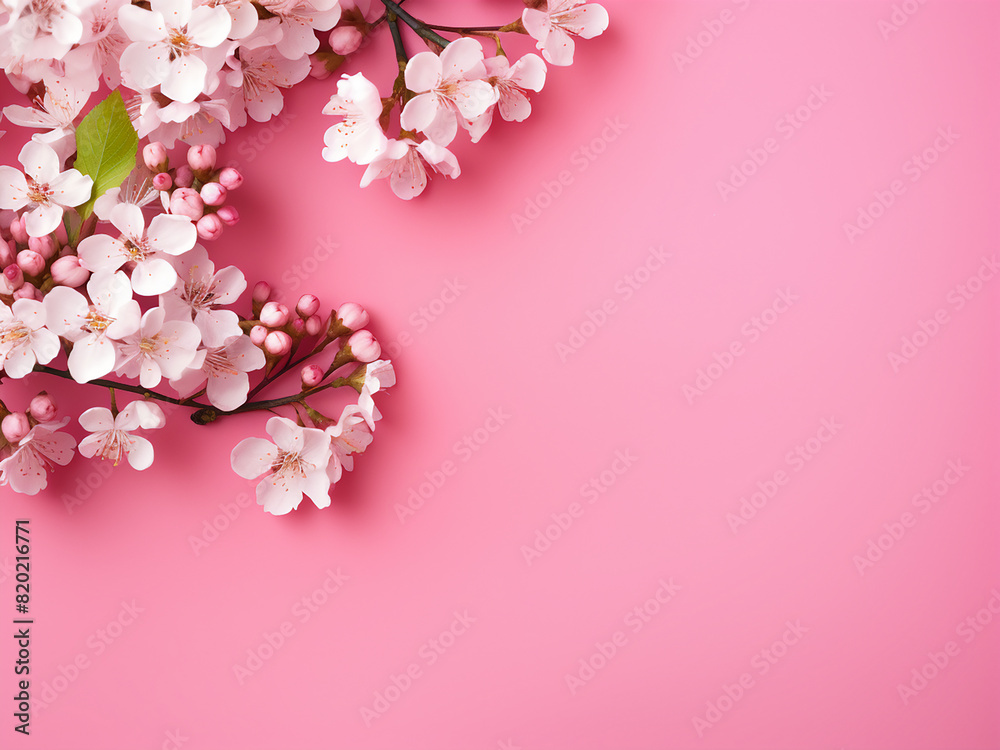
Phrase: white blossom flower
(24, 340)
(358, 136)
(199, 290)
(166, 44)
(26, 469)
(405, 162)
(554, 28)
(152, 274)
(91, 326)
(44, 188)
(111, 437)
(225, 369)
(293, 465)
(160, 348)
(449, 87)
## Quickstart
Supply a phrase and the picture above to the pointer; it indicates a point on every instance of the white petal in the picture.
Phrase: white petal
(186, 78)
(97, 419)
(253, 456)
(13, 189)
(173, 235)
(43, 220)
(139, 453)
(153, 276)
(71, 189)
(92, 357)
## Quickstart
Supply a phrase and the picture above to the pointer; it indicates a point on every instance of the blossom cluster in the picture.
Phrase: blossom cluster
(194, 70)
(105, 274)
(143, 300)
(443, 91)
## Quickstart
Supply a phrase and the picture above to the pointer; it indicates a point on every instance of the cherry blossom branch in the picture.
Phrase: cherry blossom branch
(112, 384)
(419, 27)
(208, 414)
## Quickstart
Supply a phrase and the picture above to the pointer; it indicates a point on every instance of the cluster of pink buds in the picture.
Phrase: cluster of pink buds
(197, 189)
(279, 331)
(33, 265)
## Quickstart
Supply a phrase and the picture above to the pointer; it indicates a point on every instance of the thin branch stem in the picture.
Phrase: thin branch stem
(419, 27)
(144, 392)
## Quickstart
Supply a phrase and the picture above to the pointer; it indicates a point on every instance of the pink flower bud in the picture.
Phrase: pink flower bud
(363, 346)
(318, 69)
(257, 335)
(67, 271)
(230, 178)
(298, 326)
(312, 375)
(274, 315)
(308, 305)
(210, 227)
(345, 39)
(213, 194)
(42, 407)
(12, 279)
(277, 343)
(30, 262)
(163, 181)
(8, 253)
(183, 176)
(353, 316)
(27, 291)
(18, 232)
(15, 426)
(314, 325)
(154, 155)
(44, 246)
(201, 158)
(261, 291)
(186, 202)
(60, 233)
(229, 215)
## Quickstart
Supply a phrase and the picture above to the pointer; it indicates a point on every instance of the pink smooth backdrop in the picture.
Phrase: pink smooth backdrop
(527, 299)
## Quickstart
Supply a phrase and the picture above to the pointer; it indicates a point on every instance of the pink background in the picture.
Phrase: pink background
(167, 679)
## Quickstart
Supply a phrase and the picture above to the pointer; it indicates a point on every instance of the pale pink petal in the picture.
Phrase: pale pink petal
(423, 71)
(514, 106)
(208, 26)
(278, 497)
(419, 112)
(141, 25)
(13, 188)
(19, 362)
(228, 392)
(185, 79)
(97, 419)
(153, 276)
(71, 188)
(173, 235)
(253, 456)
(101, 252)
(460, 59)
(128, 219)
(43, 220)
(316, 486)
(586, 21)
(139, 453)
(529, 72)
(92, 357)
(40, 161)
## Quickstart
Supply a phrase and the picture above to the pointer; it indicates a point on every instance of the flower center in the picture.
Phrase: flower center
(135, 250)
(217, 363)
(179, 42)
(97, 322)
(38, 193)
(116, 445)
(14, 333)
(289, 464)
(198, 294)
(149, 345)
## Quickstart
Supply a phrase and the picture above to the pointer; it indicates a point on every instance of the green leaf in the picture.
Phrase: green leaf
(106, 147)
